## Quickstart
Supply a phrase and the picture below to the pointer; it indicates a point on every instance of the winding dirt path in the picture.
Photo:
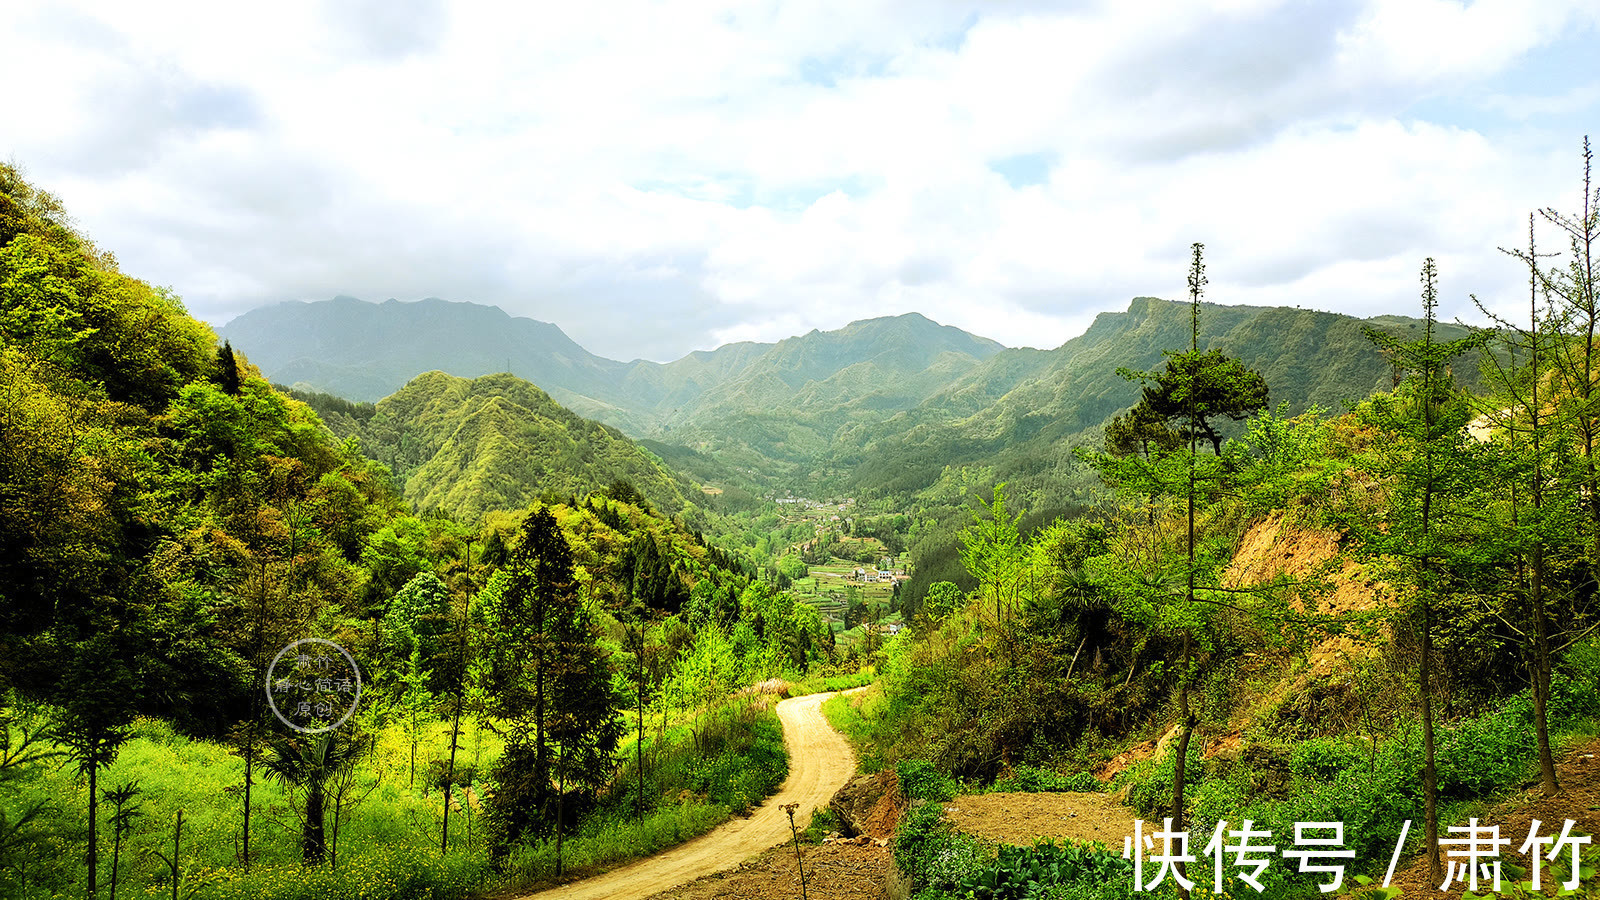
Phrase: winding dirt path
(820, 762)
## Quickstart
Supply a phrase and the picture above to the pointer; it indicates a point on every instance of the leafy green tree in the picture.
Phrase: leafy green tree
(124, 811)
(1522, 448)
(22, 746)
(1194, 388)
(416, 701)
(584, 728)
(991, 550)
(96, 709)
(942, 599)
(417, 625)
(1140, 430)
(1574, 291)
(1197, 388)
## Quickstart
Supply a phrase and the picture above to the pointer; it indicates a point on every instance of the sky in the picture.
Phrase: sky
(661, 177)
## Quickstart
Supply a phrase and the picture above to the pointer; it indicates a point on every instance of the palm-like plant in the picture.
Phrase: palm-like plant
(305, 763)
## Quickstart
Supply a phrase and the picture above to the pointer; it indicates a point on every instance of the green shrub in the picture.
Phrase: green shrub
(1479, 755)
(1047, 869)
(922, 780)
(846, 682)
(1150, 791)
(1575, 698)
(1027, 779)
(823, 822)
(1320, 759)
(923, 832)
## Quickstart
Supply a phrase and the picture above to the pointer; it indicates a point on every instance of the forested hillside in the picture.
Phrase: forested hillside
(497, 442)
(879, 407)
(1382, 618)
(171, 526)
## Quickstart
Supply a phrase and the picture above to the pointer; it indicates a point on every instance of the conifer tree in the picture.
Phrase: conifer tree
(227, 370)
(543, 661)
(1427, 468)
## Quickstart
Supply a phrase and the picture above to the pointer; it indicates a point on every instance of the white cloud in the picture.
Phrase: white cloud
(753, 170)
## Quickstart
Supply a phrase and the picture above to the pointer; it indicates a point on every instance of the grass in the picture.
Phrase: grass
(821, 684)
(697, 776)
(859, 718)
(388, 846)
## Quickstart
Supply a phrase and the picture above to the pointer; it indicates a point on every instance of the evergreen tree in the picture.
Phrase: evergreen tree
(227, 370)
(543, 660)
(1426, 463)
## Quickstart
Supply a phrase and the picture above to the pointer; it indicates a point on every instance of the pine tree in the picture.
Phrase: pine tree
(227, 370)
(543, 664)
(1428, 468)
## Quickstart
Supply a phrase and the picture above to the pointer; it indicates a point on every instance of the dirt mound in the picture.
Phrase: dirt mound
(1023, 819)
(869, 805)
(835, 871)
(1274, 547)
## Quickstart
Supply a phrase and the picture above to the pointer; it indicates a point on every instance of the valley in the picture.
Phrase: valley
(968, 611)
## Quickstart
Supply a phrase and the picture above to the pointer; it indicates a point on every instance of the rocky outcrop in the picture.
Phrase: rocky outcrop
(869, 805)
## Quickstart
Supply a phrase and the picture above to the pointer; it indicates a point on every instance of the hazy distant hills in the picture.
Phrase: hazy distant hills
(364, 351)
(881, 402)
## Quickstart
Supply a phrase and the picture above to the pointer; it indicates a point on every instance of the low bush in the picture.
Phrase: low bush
(922, 780)
(1030, 780)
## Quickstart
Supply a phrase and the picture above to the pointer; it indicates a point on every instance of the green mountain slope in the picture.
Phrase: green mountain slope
(364, 351)
(1024, 408)
(467, 446)
(881, 404)
(785, 410)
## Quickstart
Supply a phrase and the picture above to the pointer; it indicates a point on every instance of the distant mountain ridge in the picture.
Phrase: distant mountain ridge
(886, 401)
(365, 351)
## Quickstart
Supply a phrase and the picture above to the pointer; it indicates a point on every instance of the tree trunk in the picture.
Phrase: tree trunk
(249, 779)
(94, 817)
(116, 855)
(639, 750)
(1180, 764)
(450, 773)
(1541, 680)
(1430, 775)
(1541, 624)
(313, 839)
(561, 796)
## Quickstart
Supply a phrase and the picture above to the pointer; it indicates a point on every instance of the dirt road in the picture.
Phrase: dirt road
(820, 762)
